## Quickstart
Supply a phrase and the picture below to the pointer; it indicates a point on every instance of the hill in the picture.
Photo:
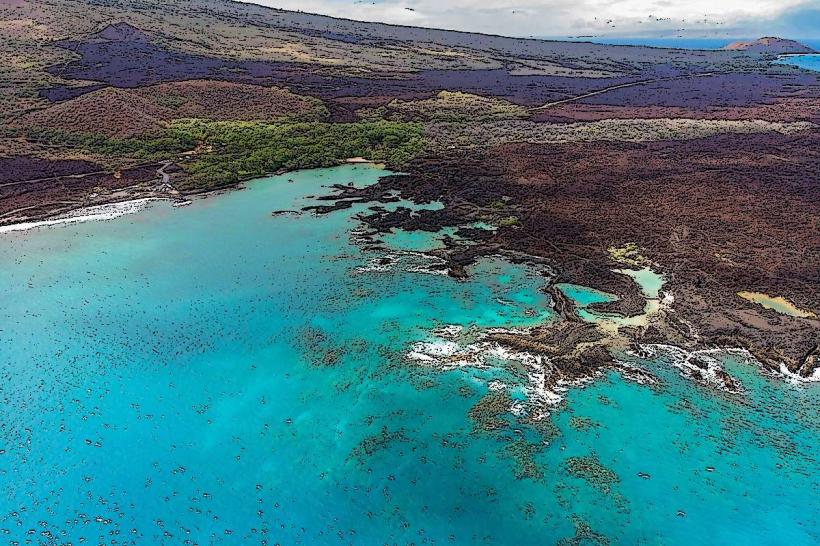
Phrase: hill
(771, 45)
(53, 49)
(129, 112)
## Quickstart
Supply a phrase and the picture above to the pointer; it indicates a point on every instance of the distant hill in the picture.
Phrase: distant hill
(123, 113)
(770, 44)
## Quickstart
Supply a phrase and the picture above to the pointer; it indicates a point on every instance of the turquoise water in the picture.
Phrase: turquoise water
(584, 296)
(214, 374)
(417, 241)
(649, 282)
(810, 62)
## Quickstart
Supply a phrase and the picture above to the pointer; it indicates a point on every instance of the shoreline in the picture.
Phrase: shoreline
(92, 213)
(619, 332)
(658, 329)
(700, 317)
(160, 193)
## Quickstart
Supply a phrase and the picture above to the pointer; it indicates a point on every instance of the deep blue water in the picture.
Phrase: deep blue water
(214, 374)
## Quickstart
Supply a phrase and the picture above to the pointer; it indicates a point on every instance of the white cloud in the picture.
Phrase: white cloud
(565, 17)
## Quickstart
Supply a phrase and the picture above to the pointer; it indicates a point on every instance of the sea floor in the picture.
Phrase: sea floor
(215, 374)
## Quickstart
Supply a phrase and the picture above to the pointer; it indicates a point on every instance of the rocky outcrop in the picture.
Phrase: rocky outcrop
(120, 32)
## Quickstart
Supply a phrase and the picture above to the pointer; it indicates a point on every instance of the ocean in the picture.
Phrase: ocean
(218, 374)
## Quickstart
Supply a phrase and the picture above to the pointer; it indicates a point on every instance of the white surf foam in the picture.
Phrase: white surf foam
(108, 211)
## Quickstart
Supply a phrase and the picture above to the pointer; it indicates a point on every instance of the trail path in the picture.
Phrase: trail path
(620, 86)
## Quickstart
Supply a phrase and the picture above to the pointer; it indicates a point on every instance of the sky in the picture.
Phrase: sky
(598, 18)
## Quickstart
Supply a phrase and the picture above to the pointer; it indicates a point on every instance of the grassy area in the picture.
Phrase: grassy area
(230, 151)
(448, 106)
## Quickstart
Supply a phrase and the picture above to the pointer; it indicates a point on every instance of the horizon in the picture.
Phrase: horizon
(568, 19)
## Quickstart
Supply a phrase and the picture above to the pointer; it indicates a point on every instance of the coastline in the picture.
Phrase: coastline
(101, 212)
(540, 413)
(164, 190)
(695, 318)
(663, 324)
(653, 321)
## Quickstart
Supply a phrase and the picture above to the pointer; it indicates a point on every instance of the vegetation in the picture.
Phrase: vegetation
(629, 254)
(238, 150)
(448, 106)
(229, 151)
(509, 221)
(153, 147)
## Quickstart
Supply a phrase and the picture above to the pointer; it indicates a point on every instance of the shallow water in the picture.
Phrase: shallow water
(217, 375)
(649, 282)
(809, 62)
(417, 241)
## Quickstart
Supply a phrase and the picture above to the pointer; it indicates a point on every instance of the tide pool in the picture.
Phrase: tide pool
(214, 374)
(649, 282)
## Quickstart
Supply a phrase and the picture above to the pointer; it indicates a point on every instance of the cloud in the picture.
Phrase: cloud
(692, 18)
